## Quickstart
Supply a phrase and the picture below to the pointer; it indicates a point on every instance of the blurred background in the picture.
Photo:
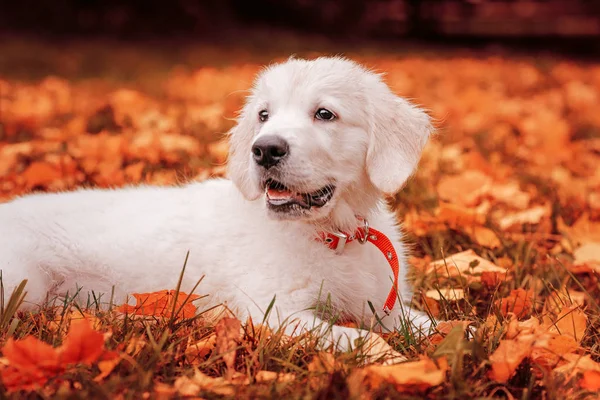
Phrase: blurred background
(108, 93)
(356, 18)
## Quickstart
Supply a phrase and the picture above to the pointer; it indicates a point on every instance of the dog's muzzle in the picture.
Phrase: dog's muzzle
(279, 196)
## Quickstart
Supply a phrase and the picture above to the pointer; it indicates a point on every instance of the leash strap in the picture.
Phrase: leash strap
(365, 234)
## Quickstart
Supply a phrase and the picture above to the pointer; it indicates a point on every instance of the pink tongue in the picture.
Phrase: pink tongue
(279, 194)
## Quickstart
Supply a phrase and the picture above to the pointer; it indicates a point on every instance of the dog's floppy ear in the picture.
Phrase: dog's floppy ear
(240, 143)
(398, 133)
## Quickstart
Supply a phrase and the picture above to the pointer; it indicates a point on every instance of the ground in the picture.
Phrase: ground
(503, 216)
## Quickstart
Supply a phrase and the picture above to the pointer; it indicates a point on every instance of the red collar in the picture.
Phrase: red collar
(363, 234)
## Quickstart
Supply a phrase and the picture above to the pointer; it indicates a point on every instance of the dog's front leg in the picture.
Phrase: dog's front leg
(403, 319)
(367, 344)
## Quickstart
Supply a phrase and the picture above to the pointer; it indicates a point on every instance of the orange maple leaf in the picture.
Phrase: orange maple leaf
(160, 304)
(83, 345)
(31, 363)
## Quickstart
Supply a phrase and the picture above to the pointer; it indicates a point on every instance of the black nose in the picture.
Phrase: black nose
(269, 150)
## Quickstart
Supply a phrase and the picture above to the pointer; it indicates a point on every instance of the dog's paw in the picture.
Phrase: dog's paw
(421, 323)
(376, 350)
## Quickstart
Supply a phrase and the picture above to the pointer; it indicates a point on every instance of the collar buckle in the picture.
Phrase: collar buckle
(342, 239)
(362, 239)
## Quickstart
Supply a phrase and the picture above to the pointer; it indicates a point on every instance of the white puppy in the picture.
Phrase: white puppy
(316, 146)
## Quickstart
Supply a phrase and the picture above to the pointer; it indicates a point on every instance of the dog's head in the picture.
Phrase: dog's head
(321, 140)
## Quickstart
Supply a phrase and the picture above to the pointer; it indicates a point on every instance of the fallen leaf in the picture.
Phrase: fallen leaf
(415, 376)
(31, 363)
(582, 231)
(107, 363)
(270, 376)
(431, 305)
(453, 343)
(577, 363)
(212, 316)
(320, 368)
(228, 333)
(466, 262)
(448, 294)
(202, 347)
(458, 216)
(484, 237)
(590, 380)
(589, 253)
(549, 349)
(558, 300)
(375, 349)
(507, 357)
(571, 321)
(510, 193)
(532, 215)
(519, 302)
(162, 304)
(186, 386)
(40, 174)
(492, 278)
(465, 188)
(83, 345)
(521, 328)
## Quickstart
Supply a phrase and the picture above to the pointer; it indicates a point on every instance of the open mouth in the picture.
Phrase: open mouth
(280, 196)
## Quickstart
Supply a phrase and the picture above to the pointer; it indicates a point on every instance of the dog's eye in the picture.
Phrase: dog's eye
(324, 115)
(263, 115)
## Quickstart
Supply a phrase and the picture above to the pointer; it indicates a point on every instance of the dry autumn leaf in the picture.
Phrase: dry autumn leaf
(466, 188)
(228, 332)
(532, 215)
(186, 386)
(507, 357)
(576, 363)
(519, 302)
(202, 347)
(412, 376)
(558, 300)
(449, 294)
(510, 193)
(590, 380)
(466, 262)
(589, 254)
(162, 304)
(492, 278)
(484, 237)
(375, 349)
(571, 321)
(40, 174)
(582, 231)
(270, 376)
(458, 216)
(549, 349)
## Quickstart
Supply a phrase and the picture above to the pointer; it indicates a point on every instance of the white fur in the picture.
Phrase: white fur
(136, 239)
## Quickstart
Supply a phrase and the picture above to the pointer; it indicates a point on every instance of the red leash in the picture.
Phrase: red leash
(337, 242)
